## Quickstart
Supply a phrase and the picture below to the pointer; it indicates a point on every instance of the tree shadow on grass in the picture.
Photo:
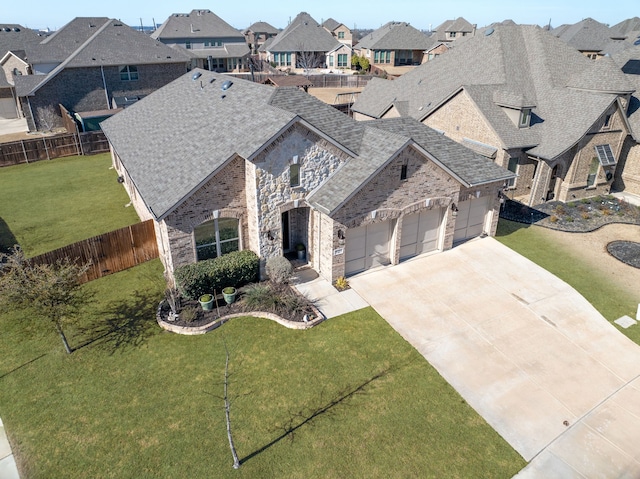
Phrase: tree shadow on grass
(7, 239)
(305, 416)
(23, 365)
(122, 325)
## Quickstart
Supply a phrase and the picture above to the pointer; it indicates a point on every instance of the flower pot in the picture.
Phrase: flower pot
(206, 301)
(229, 294)
(301, 251)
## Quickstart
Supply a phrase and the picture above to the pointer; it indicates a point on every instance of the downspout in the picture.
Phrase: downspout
(104, 84)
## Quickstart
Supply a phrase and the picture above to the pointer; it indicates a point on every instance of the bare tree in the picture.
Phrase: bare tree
(48, 291)
(227, 409)
(47, 118)
(308, 60)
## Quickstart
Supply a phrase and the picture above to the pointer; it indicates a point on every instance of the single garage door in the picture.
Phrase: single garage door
(470, 218)
(420, 233)
(8, 108)
(367, 246)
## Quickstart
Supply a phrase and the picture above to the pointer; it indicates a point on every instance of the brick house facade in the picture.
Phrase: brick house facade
(284, 193)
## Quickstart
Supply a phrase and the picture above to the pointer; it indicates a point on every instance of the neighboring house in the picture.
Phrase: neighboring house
(14, 39)
(591, 38)
(282, 168)
(304, 44)
(212, 43)
(257, 34)
(530, 102)
(628, 172)
(297, 81)
(437, 49)
(340, 31)
(628, 30)
(394, 44)
(88, 63)
(452, 30)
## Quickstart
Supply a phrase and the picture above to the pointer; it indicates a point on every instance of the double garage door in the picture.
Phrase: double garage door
(369, 246)
(8, 108)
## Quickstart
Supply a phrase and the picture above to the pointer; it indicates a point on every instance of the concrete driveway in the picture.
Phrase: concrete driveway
(526, 351)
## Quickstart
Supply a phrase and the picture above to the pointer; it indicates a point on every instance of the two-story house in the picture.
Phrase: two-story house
(257, 34)
(87, 64)
(282, 168)
(340, 31)
(211, 42)
(525, 99)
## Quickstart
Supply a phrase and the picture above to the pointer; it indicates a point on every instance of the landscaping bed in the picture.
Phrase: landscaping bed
(581, 216)
(626, 251)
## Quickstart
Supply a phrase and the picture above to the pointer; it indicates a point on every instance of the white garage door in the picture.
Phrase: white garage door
(8, 108)
(470, 218)
(367, 246)
(420, 233)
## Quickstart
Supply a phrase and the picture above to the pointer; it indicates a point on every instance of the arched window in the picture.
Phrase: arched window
(216, 237)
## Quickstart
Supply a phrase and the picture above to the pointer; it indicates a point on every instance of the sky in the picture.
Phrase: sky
(420, 13)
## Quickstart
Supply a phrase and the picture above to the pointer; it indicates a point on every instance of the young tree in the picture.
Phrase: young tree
(48, 291)
(47, 118)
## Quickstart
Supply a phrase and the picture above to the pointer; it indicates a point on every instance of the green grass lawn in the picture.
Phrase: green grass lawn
(607, 297)
(139, 402)
(49, 204)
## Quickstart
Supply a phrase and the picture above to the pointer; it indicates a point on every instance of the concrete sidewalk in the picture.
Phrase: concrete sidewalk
(553, 377)
(326, 298)
(8, 468)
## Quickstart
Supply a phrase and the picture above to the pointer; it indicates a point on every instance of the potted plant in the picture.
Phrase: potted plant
(301, 250)
(229, 294)
(206, 301)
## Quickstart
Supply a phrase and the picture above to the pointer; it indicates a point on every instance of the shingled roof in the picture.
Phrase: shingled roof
(522, 60)
(111, 44)
(262, 27)
(197, 24)
(586, 35)
(173, 155)
(303, 34)
(396, 36)
(15, 37)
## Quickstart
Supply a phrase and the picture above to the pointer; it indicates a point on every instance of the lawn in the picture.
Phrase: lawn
(610, 300)
(49, 204)
(136, 401)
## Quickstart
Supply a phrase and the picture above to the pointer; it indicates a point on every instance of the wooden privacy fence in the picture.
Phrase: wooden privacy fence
(109, 253)
(49, 147)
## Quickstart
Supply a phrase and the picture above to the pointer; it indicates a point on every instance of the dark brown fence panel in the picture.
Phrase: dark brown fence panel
(109, 253)
(50, 147)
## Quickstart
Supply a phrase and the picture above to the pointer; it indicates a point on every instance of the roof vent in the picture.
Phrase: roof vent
(488, 32)
(637, 42)
(196, 75)
(16, 29)
(226, 85)
(212, 80)
(7, 29)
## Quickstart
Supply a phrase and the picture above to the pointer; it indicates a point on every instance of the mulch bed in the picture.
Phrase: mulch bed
(221, 309)
(626, 251)
(579, 216)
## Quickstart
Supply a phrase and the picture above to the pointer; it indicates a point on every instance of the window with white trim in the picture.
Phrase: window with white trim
(216, 237)
(605, 155)
(525, 117)
(341, 35)
(593, 172)
(294, 174)
(512, 167)
(129, 73)
(342, 60)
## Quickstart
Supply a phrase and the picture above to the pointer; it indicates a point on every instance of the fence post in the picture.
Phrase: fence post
(24, 152)
(44, 140)
(80, 143)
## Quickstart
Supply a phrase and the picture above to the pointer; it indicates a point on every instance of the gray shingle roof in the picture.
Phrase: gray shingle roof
(177, 137)
(523, 60)
(602, 76)
(66, 40)
(586, 35)
(459, 25)
(629, 63)
(111, 44)
(331, 24)
(17, 38)
(197, 24)
(168, 146)
(303, 34)
(229, 50)
(262, 27)
(396, 36)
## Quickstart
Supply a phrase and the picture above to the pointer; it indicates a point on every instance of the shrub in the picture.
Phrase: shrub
(260, 297)
(606, 211)
(553, 219)
(569, 219)
(585, 201)
(560, 210)
(279, 269)
(275, 298)
(585, 215)
(342, 283)
(237, 268)
(189, 314)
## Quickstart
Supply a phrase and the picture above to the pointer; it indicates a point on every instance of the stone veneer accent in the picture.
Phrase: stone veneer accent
(318, 159)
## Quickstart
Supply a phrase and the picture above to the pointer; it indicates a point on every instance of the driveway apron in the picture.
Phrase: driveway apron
(552, 376)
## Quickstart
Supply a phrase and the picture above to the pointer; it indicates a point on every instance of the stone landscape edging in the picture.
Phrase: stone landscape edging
(216, 323)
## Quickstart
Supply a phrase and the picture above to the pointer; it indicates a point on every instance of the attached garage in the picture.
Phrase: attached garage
(470, 218)
(420, 233)
(8, 108)
(367, 247)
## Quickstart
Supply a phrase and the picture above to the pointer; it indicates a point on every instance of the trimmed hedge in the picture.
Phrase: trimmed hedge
(233, 269)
